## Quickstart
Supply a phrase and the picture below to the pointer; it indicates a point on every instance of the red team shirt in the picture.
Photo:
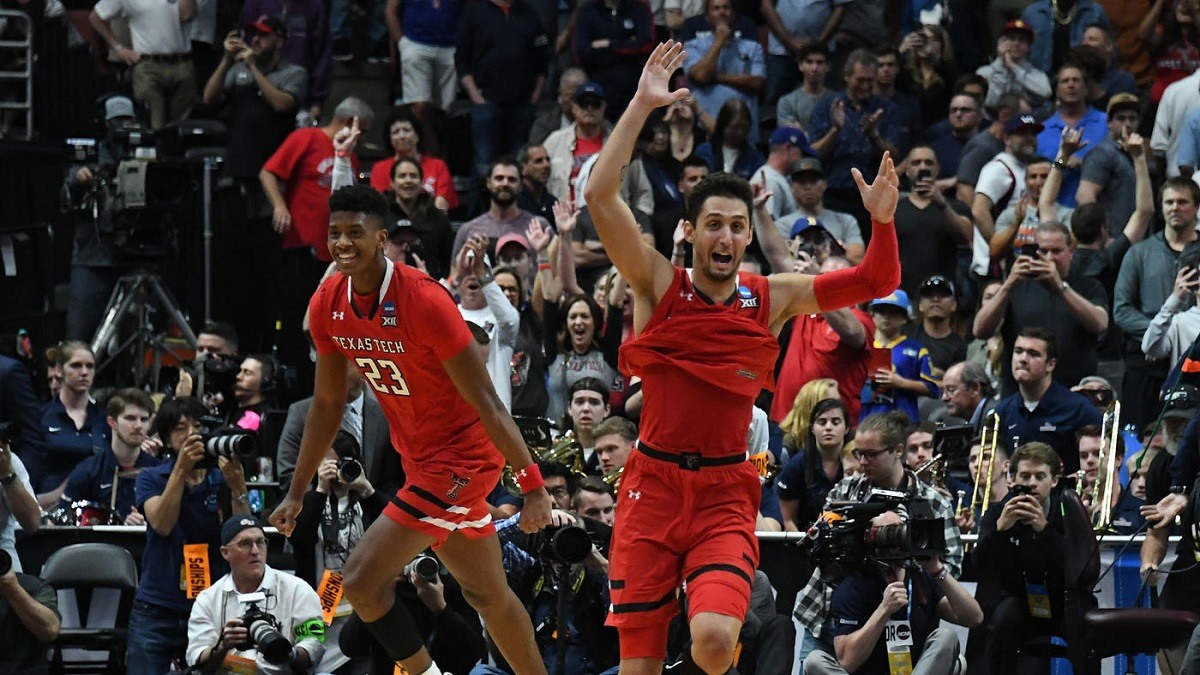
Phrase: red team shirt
(399, 349)
(702, 365)
(305, 163)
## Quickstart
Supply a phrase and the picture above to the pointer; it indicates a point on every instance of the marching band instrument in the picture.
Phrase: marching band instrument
(1104, 490)
(565, 451)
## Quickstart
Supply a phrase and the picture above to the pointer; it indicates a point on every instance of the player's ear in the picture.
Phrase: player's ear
(689, 231)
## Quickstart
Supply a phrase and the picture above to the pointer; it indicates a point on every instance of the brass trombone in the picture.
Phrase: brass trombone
(1104, 490)
(564, 451)
(989, 441)
(613, 478)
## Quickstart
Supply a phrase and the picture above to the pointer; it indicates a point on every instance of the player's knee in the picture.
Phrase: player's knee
(712, 648)
(359, 585)
(486, 598)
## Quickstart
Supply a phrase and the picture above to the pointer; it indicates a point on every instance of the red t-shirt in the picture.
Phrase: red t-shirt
(702, 365)
(815, 351)
(584, 149)
(1172, 64)
(399, 348)
(438, 181)
(305, 164)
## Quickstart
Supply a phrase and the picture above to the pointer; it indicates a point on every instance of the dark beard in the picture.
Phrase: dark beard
(503, 198)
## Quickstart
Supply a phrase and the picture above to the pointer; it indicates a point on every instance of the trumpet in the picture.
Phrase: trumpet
(933, 472)
(564, 451)
(1104, 490)
(613, 478)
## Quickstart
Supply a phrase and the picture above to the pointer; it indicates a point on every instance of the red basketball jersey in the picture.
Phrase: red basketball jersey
(702, 364)
(398, 340)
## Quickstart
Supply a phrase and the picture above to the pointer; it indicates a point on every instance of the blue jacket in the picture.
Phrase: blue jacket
(1053, 422)
(1040, 18)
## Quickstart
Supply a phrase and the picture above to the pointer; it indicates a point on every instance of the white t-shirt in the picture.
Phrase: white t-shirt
(782, 201)
(154, 25)
(8, 535)
(998, 176)
(502, 322)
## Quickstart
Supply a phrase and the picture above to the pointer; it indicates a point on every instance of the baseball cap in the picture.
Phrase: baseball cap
(1021, 122)
(808, 165)
(1095, 379)
(937, 282)
(234, 526)
(792, 136)
(588, 89)
(1120, 101)
(400, 226)
(512, 238)
(898, 299)
(269, 24)
(118, 106)
(804, 224)
(1017, 26)
(1182, 403)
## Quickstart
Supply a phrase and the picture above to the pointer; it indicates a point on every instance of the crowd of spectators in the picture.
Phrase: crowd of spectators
(1047, 232)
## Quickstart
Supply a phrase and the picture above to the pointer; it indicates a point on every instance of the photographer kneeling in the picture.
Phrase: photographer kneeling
(254, 619)
(884, 618)
(569, 554)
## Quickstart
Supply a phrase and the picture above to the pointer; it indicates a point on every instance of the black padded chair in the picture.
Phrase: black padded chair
(85, 569)
(1094, 634)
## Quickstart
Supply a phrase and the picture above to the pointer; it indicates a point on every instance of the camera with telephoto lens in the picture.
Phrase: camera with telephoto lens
(349, 456)
(215, 375)
(569, 544)
(9, 433)
(426, 567)
(844, 539)
(222, 441)
(264, 631)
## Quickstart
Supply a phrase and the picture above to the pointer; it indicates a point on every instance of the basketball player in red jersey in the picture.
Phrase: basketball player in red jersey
(705, 348)
(402, 330)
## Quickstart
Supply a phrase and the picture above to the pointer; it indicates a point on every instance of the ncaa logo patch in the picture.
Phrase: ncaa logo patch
(388, 317)
(748, 299)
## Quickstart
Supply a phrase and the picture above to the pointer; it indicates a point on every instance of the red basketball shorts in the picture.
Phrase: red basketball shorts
(441, 500)
(675, 526)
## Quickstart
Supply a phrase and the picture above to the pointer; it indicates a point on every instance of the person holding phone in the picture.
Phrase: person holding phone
(900, 369)
(1177, 324)
(929, 225)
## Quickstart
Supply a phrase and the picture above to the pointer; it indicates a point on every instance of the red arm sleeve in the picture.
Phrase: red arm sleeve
(876, 276)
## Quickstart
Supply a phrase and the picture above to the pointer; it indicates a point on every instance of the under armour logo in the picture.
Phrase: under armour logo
(457, 483)
(686, 296)
(338, 316)
(634, 494)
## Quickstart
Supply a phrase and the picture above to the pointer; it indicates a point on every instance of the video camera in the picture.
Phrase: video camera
(844, 540)
(265, 635)
(566, 544)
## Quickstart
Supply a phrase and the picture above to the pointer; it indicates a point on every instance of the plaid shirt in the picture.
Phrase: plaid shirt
(812, 604)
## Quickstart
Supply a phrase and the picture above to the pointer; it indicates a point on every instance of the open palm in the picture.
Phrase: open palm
(881, 196)
(654, 87)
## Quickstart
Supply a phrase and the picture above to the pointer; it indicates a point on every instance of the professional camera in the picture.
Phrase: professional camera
(265, 635)
(844, 539)
(215, 375)
(349, 457)
(426, 567)
(221, 441)
(9, 433)
(566, 544)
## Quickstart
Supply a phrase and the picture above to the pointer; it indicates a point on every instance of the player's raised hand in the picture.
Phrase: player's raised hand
(881, 196)
(654, 87)
(535, 514)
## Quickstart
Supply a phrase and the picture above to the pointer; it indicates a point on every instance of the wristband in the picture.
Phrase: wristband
(340, 153)
(1059, 164)
(530, 479)
(543, 267)
(243, 498)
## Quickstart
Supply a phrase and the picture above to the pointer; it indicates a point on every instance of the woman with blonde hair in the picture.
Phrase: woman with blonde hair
(797, 422)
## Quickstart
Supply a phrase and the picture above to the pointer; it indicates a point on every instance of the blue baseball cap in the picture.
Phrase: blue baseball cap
(1023, 122)
(805, 223)
(588, 89)
(898, 299)
(792, 136)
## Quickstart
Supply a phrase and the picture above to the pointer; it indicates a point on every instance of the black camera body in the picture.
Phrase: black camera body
(264, 630)
(844, 540)
(566, 544)
(349, 457)
(10, 433)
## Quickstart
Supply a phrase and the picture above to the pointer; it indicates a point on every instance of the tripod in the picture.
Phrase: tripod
(137, 296)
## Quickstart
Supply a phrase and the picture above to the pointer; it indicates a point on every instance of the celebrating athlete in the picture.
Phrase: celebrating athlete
(402, 330)
(705, 349)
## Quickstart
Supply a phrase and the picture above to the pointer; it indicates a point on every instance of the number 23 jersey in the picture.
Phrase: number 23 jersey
(398, 342)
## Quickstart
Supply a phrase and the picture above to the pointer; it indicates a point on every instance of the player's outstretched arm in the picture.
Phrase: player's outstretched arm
(646, 270)
(320, 427)
(471, 378)
(876, 276)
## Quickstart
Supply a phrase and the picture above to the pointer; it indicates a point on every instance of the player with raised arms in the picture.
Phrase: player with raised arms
(705, 347)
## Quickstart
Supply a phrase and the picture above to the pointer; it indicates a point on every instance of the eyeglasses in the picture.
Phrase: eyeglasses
(864, 455)
(247, 544)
